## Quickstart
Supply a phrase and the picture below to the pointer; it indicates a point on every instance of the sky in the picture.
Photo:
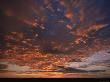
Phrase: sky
(56, 24)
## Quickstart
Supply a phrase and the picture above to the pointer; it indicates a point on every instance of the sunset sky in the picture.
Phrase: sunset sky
(48, 28)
